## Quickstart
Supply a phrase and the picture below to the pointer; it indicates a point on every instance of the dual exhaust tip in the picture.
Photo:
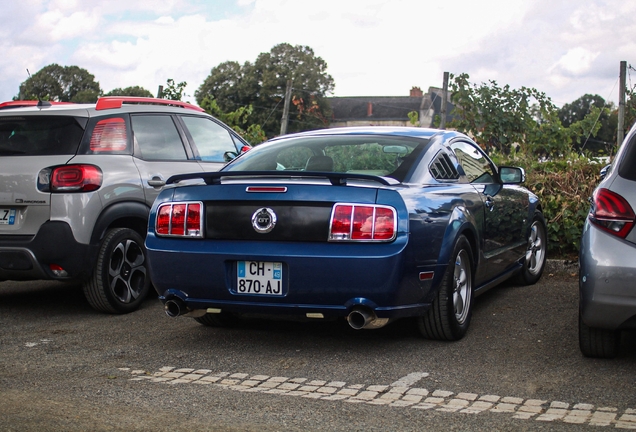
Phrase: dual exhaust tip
(359, 318)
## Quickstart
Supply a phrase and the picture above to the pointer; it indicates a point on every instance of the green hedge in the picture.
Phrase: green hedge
(564, 187)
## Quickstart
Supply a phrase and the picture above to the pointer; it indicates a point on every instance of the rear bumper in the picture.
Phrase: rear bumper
(606, 280)
(326, 278)
(30, 257)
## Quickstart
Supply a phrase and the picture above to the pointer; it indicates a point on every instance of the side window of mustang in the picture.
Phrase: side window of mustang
(476, 167)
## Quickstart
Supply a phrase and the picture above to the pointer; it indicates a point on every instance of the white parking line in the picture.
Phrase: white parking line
(399, 394)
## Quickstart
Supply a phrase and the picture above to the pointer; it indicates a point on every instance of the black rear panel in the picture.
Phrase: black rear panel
(296, 221)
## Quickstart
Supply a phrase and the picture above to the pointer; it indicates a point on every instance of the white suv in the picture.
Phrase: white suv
(77, 183)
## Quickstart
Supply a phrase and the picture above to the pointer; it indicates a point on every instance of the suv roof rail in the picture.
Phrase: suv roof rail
(112, 102)
(30, 103)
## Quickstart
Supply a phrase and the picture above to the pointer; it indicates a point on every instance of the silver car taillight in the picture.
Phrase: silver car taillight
(612, 213)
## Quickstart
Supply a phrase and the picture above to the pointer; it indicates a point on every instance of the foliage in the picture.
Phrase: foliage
(173, 91)
(363, 157)
(414, 117)
(525, 119)
(563, 187)
(237, 120)
(312, 110)
(62, 84)
(262, 85)
(136, 91)
(576, 111)
(630, 107)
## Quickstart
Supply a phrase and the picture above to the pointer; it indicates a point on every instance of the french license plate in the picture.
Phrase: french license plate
(7, 216)
(259, 277)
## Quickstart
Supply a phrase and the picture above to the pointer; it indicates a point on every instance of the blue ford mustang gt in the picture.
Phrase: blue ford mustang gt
(369, 224)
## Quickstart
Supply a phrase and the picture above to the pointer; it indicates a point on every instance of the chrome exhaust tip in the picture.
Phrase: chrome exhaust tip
(174, 307)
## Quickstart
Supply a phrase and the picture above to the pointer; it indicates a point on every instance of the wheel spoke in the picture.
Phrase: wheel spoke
(535, 252)
(458, 302)
(121, 289)
(116, 260)
(133, 255)
(462, 289)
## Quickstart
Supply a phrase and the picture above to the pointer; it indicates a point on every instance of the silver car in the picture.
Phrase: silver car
(607, 258)
(77, 183)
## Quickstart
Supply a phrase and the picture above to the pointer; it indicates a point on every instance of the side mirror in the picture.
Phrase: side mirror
(512, 175)
(229, 155)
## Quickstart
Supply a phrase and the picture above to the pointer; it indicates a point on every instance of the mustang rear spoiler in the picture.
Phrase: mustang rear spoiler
(336, 179)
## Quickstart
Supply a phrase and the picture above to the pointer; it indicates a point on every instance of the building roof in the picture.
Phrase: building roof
(374, 107)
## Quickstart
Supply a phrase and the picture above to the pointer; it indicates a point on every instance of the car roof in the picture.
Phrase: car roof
(397, 131)
(104, 106)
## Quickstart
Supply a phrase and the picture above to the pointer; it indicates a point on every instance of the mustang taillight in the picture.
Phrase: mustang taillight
(361, 222)
(180, 220)
(612, 213)
(76, 178)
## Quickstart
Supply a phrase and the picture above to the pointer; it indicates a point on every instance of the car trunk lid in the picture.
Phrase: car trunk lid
(23, 207)
(297, 211)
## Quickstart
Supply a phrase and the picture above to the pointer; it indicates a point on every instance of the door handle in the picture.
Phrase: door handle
(157, 182)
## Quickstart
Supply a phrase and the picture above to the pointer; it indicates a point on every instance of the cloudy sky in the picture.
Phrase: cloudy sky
(564, 48)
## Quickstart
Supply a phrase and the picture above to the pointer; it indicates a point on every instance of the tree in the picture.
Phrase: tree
(173, 91)
(607, 118)
(262, 85)
(503, 118)
(62, 84)
(237, 120)
(230, 85)
(630, 108)
(136, 91)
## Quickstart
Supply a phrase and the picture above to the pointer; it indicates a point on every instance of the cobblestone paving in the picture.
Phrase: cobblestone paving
(400, 394)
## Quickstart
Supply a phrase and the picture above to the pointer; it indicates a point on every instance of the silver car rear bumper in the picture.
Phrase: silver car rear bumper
(607, 280)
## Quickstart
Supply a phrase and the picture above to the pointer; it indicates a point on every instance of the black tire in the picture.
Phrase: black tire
(223, 319)
(537, 248)
(449, 316)
(598, 343)
(119, 283)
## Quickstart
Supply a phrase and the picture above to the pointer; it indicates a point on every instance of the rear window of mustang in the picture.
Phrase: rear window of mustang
(39, 135)
(373, 155)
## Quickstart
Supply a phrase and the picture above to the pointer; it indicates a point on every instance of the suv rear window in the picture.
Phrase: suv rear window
(627, 168)
(39, 135)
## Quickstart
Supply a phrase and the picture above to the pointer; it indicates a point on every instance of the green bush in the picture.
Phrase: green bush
(564, 187)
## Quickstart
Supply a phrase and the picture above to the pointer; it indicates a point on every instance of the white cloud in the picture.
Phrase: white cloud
(55, 26)
(577, 61)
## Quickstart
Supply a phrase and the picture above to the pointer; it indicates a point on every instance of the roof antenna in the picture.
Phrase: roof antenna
(41, 103)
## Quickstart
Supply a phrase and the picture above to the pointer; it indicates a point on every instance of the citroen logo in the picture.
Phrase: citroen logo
(264, 220)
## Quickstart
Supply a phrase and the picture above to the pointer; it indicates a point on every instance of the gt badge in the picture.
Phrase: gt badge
(264, 220)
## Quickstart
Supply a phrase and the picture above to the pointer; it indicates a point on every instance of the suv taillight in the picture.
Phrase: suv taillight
(109, 135)
(612, 213)
(180, 219)
(358, 222)
(76, 178)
